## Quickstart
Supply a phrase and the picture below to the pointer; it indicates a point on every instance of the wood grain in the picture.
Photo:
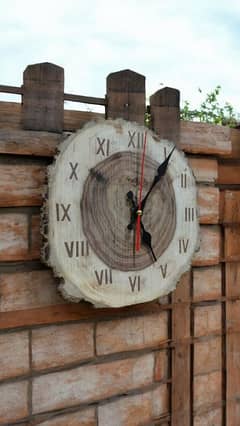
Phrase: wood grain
(126, 96)
(21, 185)
(165, 113)
(27, 142)
(205, 170)
(68, 312)
(208, 203)
(231, 207)
(228, 173)
(210, 246)
(10, 115)
(204, 138)
(43, 89)
(181, 391)
(105, 198)
(11, 118)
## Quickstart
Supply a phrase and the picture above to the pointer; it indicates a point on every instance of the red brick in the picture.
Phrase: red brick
(59, 345)
(207, 283)
(232, 243)
(205, 170)
(161, 365)
(207, 389)
(13, 237)
(21, 184)
(232, 279)
(14, 354)
(205, 138)
(231, 207)
(13, 402)
(91, 383)
(28, 290)
(134, 410)
(131, 333)
(208, 203)
(212, 418)
(80, 418)
(207, 320)
(207, 356)
(210, 246)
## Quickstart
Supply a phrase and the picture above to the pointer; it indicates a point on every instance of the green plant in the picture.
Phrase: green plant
(210, 110)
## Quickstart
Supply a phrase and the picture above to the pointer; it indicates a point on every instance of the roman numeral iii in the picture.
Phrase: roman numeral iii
(189, 214)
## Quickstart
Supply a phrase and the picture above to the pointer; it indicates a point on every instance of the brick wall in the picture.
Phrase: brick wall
(173, 363)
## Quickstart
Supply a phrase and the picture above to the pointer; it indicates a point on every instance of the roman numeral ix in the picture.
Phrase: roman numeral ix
(62, 212)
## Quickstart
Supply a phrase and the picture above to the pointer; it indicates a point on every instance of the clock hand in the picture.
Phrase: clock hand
(147, 240)
(160, 173)
(130, 198)
(139, 210)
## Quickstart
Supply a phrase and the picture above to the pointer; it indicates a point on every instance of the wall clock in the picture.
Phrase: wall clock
(121, 215)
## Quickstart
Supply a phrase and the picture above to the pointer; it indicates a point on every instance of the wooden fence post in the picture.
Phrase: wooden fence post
(165, 120)
(126, 96)
(165, 113)
(43, 97)
(181, 355)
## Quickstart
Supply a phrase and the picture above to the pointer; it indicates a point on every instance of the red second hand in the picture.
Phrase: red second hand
(139, 211)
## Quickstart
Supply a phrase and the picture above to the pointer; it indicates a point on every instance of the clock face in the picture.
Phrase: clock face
(100, 176)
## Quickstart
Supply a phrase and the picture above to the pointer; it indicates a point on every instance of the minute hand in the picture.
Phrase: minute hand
(160, 173)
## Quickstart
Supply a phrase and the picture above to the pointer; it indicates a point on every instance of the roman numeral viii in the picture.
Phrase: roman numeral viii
(76, 248)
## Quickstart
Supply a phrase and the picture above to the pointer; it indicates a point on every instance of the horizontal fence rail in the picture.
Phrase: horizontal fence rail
(19, 90)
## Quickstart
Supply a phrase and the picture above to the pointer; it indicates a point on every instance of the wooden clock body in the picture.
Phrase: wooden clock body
(89, 244)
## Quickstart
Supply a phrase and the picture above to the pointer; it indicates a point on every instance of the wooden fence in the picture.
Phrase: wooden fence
(174, 363)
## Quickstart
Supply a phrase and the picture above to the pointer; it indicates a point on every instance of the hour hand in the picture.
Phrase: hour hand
(130, 198)
(147, 240)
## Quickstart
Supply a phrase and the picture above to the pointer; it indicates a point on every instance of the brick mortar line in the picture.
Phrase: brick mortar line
(20, 210)
(91, 362)
(25, 159)
(31, 370)
(22, 266)
(104, 401)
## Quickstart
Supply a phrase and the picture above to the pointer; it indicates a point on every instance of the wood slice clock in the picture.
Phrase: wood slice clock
(95, 214)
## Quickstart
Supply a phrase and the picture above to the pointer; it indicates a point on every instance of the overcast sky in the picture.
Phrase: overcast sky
(177, 43)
